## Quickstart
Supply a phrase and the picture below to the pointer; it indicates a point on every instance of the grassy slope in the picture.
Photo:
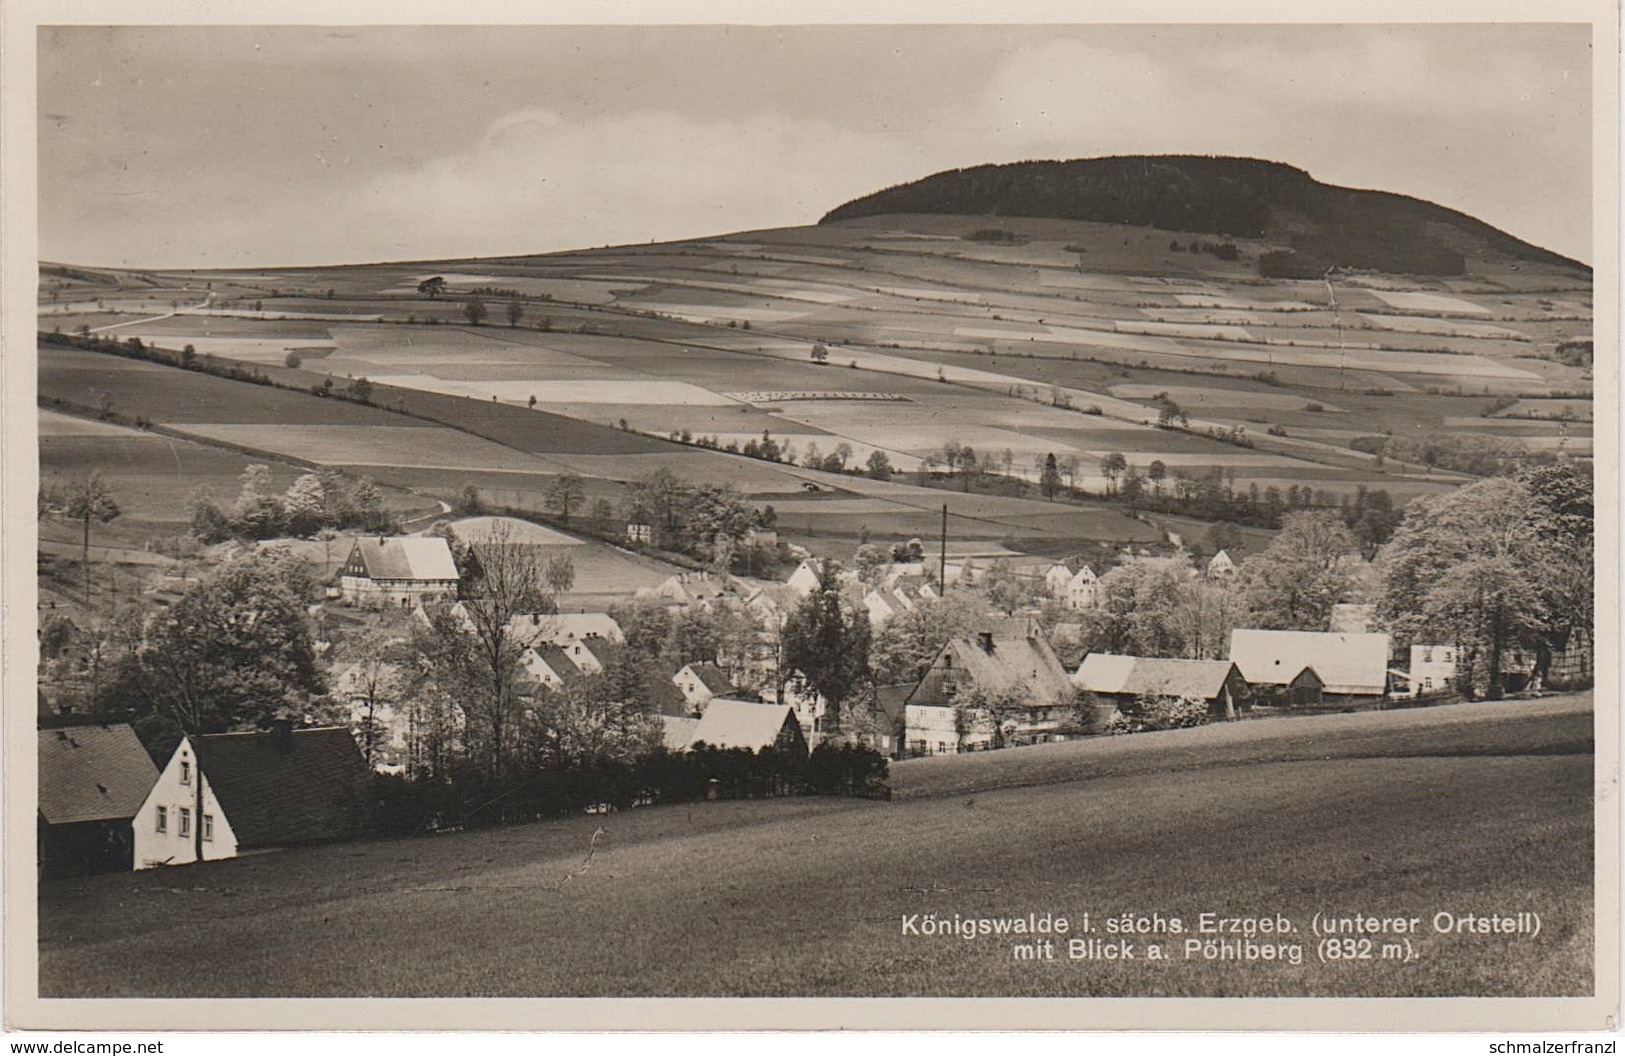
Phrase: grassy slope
(1482, 808)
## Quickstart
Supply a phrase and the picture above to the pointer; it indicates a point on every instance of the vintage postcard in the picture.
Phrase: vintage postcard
(715, 517)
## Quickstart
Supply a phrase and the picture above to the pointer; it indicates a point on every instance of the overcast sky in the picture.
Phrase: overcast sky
(205, 146)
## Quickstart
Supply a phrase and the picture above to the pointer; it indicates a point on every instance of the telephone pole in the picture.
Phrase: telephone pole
(942, 553)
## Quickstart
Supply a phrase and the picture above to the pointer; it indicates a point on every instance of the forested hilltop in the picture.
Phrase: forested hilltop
(1324, 225)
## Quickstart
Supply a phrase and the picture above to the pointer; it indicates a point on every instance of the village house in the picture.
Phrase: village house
(1303, 668)
(259, 791)
(1120, 680)
(1082, 591)
(92, 782)
(640, 532)
(1221, 565)
(402, 571)
(700, 683)
(805, 579)
(369, 690)
(552, 667)
(1432, 670)
(747, 725)
(899, 596)
(996, 664)
(1056, 577)
(808, 704)
(694, 588)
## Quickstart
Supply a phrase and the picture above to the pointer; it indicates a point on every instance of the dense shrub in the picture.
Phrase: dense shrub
(467, 797)
(1158, 713)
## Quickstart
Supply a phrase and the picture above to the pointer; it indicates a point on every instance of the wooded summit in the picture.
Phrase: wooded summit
(1319, 225)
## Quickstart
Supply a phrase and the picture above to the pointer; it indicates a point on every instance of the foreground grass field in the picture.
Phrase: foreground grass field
(1482, 809)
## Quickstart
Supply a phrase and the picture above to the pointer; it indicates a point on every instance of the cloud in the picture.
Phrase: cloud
(533, 181)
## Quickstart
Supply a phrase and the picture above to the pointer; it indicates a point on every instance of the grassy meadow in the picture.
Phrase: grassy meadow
(1468, 809)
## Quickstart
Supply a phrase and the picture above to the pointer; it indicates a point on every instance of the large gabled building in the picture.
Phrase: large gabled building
(1302, 668)
(403, 571)
(1022, 666)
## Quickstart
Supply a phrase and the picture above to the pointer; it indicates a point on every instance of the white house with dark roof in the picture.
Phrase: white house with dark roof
(259, 791)
(401, 571)
(92, 782)
(700, 683)
(551, 667)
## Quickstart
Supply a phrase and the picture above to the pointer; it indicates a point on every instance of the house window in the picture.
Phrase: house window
(186, 822)
(163, 819)
(208, 826)
(186, 772)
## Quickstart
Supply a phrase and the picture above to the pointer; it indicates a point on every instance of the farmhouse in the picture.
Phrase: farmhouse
(747, 725)
(92, 781)
(1221, 565)
(400, 571)
(1350, 667)
(258, 791)
(1125, 679)
(1020, 668)
(700, 683)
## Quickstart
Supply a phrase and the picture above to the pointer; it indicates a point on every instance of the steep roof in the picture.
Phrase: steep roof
(1104, 672)
(406, 557)
(1004, 662)
(1345, 663)
(92, 773)
(737, 724)
(316, 788)
(1200, 679)
(713, 678)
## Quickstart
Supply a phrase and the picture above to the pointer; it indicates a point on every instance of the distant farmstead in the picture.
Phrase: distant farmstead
(402, 571)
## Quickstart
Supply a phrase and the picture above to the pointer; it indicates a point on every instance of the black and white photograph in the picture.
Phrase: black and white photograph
(746, 506)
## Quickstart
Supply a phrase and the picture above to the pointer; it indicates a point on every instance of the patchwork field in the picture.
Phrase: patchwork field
(1066, 338)
(1482, 808)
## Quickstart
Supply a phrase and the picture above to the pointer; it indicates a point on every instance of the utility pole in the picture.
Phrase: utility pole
(942, 554)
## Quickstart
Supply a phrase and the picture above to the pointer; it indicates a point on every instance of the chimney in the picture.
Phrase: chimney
(986, 638)
(283, 728)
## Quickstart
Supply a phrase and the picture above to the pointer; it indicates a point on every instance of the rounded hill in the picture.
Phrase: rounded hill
(1317, 225)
